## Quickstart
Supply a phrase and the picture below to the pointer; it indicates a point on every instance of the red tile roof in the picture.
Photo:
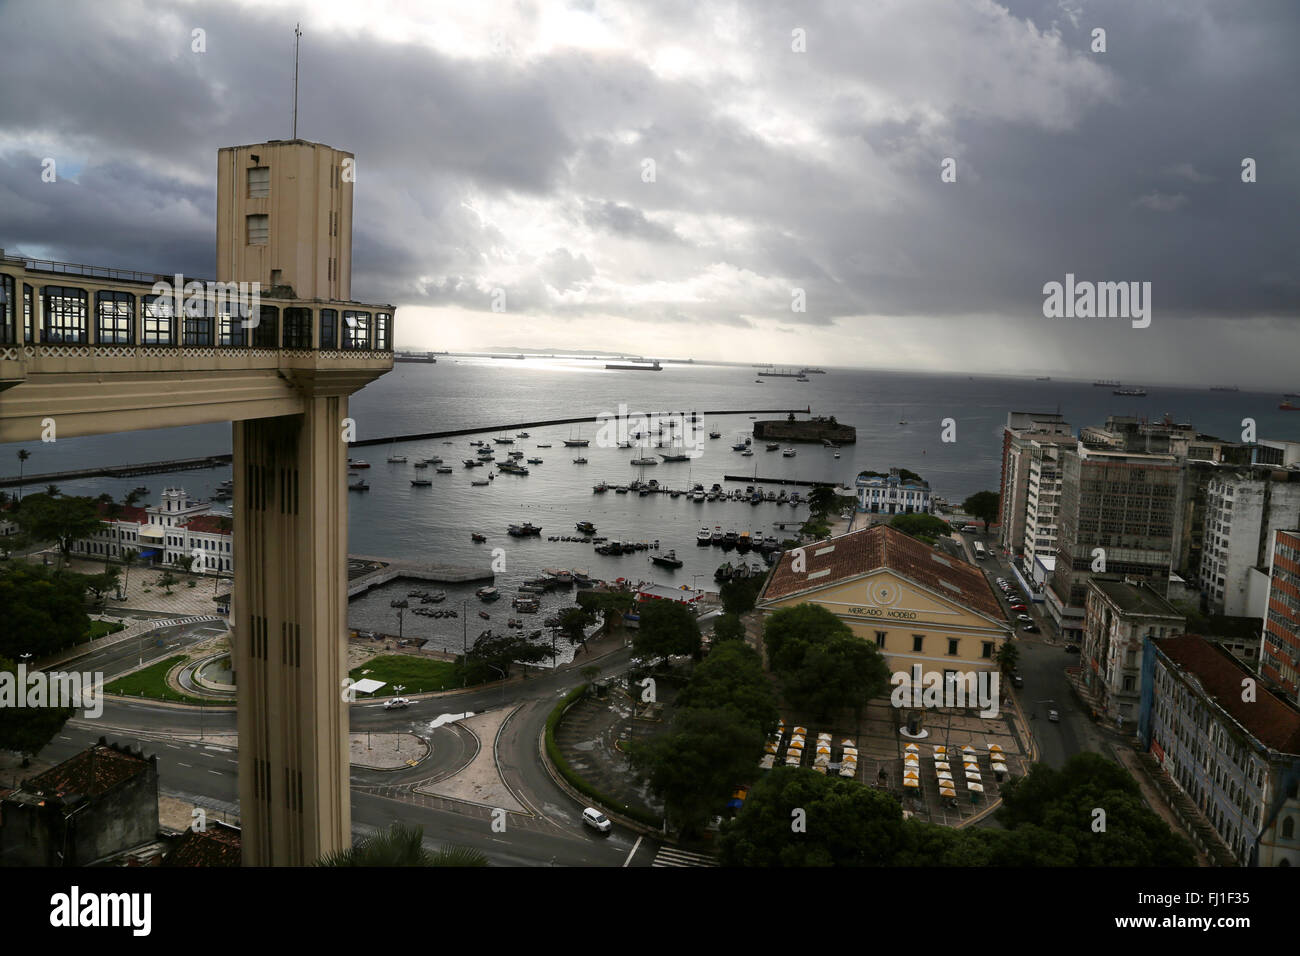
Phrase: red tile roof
(1268, 718)
(881, 546)
(128, 513)
(96, 770)
(216, 846)
(206, 523)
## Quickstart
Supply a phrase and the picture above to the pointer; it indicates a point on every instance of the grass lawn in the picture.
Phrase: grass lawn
(100, 628)
(415, 674)
(152, 682)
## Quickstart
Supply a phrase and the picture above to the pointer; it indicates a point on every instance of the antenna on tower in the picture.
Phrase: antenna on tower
(296, 34)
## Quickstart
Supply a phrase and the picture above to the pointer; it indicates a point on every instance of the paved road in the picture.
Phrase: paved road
(551, 832)
(1042, 664)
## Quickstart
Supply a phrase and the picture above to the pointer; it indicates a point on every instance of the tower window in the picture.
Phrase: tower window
(259, 182)
(258, 229)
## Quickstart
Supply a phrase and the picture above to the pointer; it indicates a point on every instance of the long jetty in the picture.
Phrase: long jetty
(121, 471)
(216, 461)
(753, 480)
(455, 433)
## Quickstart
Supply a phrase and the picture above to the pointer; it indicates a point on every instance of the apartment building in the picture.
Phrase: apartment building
(1243, 510)
(1231, 746)
(1279, 654)
(1020, 431)
(1119, 616)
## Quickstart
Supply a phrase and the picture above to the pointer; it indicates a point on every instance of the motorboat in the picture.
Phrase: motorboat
(669, 560)
(645, 461)
(534, 461)
(421, 483)
(525, 530)
(359, 463)
(586, 527)
(788, 453)
(360, 485)
(547, 445)
(703, 536)
(480, 538)
(443, 470)
(479, 482)
(773, 446)
(487, 594)
(715, 434)
(599, 489)
(504, 440)
(579, 461)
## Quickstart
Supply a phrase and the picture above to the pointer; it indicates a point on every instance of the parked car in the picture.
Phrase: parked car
(1017, 680)
(596, 820)
(1053, 716)
(1019, 607)
(396, 703)
(1025, 617)
(1029, 626)
(1072, 648)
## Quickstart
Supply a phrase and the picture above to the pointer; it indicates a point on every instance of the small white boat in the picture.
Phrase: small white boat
(788, 453)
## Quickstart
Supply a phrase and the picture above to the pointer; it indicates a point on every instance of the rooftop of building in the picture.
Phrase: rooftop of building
(1134, 599)
(218, 845)
(126, 513)
(868, 549)
(96, 770)
(209, 524)
(283, 142)
(1268, 718)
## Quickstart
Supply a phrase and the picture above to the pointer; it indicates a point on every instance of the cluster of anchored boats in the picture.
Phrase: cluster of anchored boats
(755, 496)
(742, 541)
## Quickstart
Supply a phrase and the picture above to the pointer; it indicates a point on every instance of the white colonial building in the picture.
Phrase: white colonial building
(178, 528)
(892, 494)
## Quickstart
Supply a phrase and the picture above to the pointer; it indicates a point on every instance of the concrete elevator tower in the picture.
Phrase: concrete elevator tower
(284, 219)
(98, 350)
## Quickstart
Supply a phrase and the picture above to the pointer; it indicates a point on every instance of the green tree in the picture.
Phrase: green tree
(732, 677)
(728, 627)
(61, 520)
(1064, 802)
(102, 584)
(821, 499)
(739, 596)
(25, 729)
(611, 605)
(167, 581)
(694, 765)
(44, 610)
(924, 527)
(23, 455)
(666, 628)
(984, 506)
(129, 558)
(402, 845)
(1008, 657)
(573, 622)
(822, 665)
(844, 823)
(492, 655)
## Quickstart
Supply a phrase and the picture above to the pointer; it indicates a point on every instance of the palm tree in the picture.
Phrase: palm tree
(129, 557)
(401, 845)
(23, 455)
(52, 490)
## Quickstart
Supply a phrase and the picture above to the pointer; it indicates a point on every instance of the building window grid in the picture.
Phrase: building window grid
(114, 317)
(65, 318)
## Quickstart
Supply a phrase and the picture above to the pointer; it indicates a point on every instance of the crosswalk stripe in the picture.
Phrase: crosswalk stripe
(672, 857)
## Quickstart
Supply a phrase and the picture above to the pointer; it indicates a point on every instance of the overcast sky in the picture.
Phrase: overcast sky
(503, 145)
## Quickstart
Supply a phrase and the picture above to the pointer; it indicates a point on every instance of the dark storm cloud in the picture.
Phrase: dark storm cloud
(774, 170)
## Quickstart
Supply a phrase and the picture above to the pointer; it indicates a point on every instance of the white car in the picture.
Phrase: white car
(1053, 716)
(596, 820)
(396, 703)
(1025, 617)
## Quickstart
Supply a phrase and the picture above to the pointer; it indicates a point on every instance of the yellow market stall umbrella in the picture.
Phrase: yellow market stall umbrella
(912, 783)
